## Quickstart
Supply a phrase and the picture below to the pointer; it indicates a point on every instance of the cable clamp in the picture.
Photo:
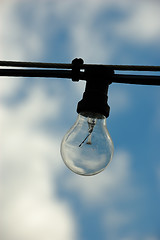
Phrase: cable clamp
(76, 66)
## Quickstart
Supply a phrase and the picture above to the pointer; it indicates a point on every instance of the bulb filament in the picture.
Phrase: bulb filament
(90, 130)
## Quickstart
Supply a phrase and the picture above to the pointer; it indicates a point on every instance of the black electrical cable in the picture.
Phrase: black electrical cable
(116, 78)
(82, 71)
(35, 64)
(82, 66)
(36, 73)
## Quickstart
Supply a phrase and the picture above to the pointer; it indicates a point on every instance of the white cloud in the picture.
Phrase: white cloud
(33, 109)
(29, 218)
(9, 86)
(30, 163)
(31, 209)
(17, 41)
(143, 23)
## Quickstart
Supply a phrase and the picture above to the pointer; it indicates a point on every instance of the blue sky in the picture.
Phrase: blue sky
(40, 198)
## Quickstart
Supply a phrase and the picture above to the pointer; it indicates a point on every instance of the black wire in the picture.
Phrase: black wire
(116, 78)
(82, 66)
(136, 79)
(35, 64)
(82, 75)
(36, 73)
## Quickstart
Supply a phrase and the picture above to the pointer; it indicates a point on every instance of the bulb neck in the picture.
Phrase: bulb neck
(91, 115)
(95, 96)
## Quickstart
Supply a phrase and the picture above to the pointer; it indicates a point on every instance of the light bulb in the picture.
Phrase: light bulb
(87, 147)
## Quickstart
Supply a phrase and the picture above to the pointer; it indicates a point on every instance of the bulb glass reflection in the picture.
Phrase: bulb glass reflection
(87, 147)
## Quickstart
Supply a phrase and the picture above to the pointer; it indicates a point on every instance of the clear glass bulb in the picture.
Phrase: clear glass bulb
(87, 147)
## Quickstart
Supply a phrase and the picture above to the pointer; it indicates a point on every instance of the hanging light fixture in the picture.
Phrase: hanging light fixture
(87, 147)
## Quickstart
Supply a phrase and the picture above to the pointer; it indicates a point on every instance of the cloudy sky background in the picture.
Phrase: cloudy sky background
(40, 198)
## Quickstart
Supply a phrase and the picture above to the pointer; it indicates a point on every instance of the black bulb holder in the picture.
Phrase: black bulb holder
(95, 96)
